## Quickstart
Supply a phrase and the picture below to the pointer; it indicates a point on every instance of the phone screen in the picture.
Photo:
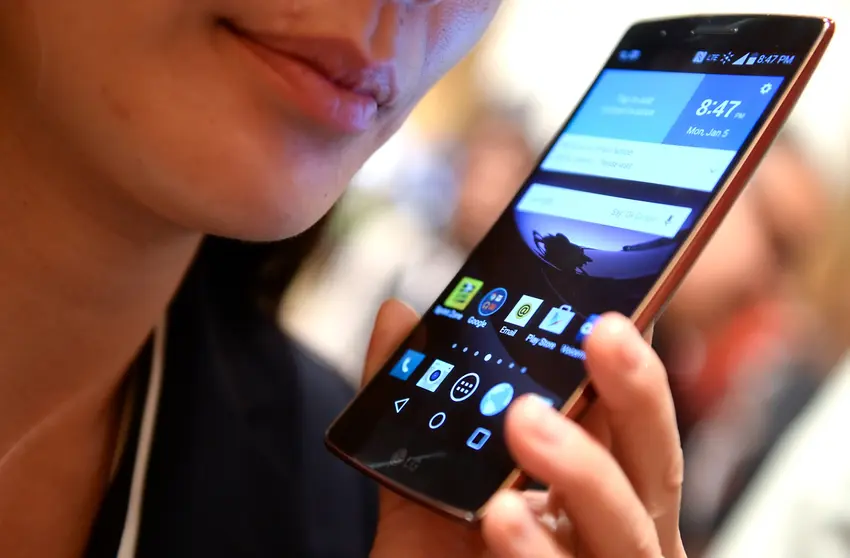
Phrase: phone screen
(592, 229)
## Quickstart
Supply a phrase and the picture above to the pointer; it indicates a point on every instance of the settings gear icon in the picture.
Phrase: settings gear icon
(766, 88)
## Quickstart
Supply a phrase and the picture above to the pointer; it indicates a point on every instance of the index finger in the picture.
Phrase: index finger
(632, 386)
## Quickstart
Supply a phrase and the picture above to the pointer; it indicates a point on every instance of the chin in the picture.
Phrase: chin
(256, 194)
(258, 222)
(243, 179)
(262, 210)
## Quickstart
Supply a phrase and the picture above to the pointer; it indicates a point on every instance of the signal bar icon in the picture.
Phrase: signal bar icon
(748, 59)
(742, 60)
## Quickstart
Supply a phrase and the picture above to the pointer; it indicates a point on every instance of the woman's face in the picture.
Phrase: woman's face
(243, 118)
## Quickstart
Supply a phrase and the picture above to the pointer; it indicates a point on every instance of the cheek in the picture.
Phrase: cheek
(455, 26)
(218, 165)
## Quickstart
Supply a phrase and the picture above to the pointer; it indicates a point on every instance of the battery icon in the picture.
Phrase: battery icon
(752, 59)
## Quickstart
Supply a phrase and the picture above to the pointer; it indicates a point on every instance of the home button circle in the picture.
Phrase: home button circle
(437, 421)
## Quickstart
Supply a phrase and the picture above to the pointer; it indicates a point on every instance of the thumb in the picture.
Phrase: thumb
(394, 322)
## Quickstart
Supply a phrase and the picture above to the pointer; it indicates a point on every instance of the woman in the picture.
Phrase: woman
(131, 130)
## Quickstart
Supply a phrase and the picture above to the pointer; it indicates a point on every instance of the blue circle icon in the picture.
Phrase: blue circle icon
(497, 400)
(492, 302)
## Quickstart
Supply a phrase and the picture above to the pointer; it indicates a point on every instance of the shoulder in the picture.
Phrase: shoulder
(238, 466)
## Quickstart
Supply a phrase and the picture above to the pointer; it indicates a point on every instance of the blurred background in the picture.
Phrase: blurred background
(754, 336)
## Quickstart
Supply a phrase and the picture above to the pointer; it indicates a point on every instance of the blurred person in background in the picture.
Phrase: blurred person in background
(738, 339)
(747, 266)
(798, 503)
(386, 250)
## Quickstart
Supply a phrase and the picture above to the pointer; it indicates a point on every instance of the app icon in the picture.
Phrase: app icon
(465, 387)
(493, 302)
(435, 375)
(523, 311)
(587, 327)
(497, 400)
(478, 438)
(557, 320)
(437, 421)
(463, 293)
(406, 366)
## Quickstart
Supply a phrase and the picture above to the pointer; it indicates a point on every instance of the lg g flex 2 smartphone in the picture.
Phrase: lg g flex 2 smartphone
(611, 219)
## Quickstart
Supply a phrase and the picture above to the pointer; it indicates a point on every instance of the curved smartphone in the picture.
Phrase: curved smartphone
(618, 208)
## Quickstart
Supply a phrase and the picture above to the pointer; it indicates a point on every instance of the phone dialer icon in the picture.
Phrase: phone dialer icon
(408, 363)
(465, 387)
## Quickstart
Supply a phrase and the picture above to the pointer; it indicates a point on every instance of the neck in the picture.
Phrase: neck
(85, 276)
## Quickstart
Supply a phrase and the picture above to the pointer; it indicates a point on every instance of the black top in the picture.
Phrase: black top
(238, 467)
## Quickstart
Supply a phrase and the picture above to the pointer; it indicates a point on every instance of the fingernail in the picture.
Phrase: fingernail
(632, 346)
(540, 414)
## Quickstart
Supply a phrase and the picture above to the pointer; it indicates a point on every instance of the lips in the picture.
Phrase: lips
(327, 78)
(339, 61)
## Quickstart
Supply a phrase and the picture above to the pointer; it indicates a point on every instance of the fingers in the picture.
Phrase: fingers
(597, 496)
(512, 530)
(548, 510)
(537, 501)
(632, 386)
(394, 322)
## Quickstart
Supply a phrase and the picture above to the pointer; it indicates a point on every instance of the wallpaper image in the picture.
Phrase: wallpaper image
(596, 266)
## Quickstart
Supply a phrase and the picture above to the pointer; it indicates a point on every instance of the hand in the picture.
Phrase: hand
(615, 482)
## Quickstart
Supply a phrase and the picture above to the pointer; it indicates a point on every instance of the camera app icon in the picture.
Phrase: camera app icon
(435, 375)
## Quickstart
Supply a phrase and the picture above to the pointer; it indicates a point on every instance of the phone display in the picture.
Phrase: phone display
(611, 208)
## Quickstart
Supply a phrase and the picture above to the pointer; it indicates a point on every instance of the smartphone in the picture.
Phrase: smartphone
(611, 219)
